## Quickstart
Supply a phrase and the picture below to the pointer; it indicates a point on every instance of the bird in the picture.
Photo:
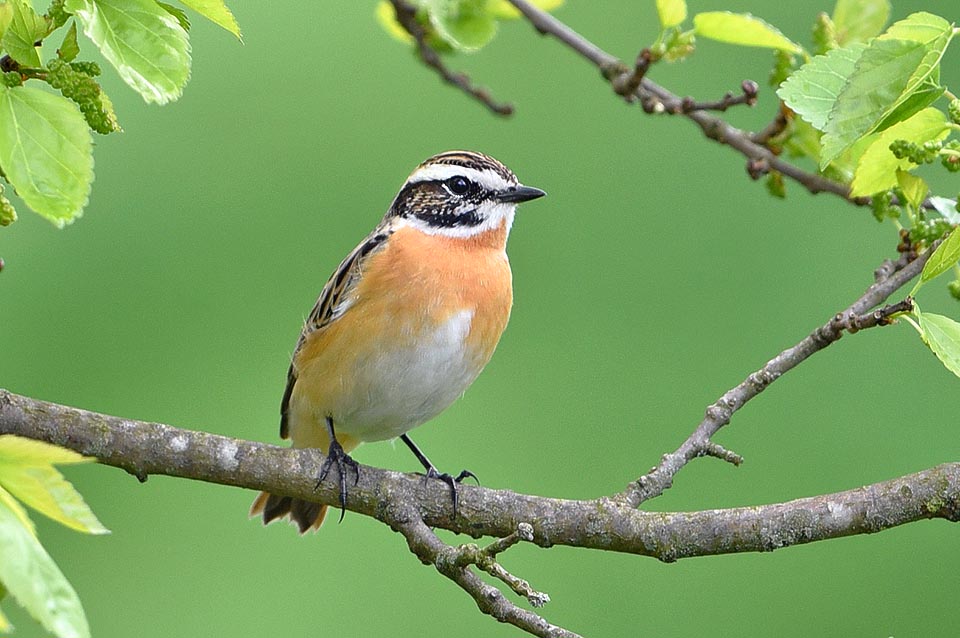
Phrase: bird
(405, 324)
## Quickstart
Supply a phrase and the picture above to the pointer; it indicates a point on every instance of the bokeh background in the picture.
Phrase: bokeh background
(655, 276)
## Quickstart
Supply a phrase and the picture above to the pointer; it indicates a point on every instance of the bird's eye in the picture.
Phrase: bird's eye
(458, 185)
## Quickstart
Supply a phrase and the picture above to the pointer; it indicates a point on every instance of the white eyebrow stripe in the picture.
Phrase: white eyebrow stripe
(439, 172)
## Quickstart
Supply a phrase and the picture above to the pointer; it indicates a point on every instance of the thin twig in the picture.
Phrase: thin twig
(407, 17)
(749, 90)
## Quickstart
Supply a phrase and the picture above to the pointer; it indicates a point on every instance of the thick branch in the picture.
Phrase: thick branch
(399, 500)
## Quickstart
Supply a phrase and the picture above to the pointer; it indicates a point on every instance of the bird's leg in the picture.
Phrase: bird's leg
(433, 473)
(336, 456)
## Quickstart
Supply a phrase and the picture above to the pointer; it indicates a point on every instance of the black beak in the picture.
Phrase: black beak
(517, 194)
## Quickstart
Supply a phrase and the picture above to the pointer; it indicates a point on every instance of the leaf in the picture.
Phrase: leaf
(503, 10)
(6, 17)
(942, 336)
(888, 72)
(177, 13)
(46, 152)
(31, 576)
(69, 49)
(942, 259)
(920, 99)
(217, 12)
(26, 27)
(914, 188)
(387, 17)
(743, 29)
(27, 472)
(813, 89)
(877, 168)
(859, 20)
(672, 13)
(6, 498)
(146, 44)
(946, 207)
(464, 24)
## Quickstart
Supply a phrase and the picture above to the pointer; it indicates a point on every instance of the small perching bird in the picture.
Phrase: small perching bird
(406, 323)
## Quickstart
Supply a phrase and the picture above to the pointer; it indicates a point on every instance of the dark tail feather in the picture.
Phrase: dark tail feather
(306, 514)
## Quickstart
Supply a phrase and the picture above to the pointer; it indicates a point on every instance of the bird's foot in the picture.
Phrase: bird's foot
(336, 456)
(452, 481)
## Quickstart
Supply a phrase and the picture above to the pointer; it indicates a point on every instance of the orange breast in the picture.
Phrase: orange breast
(423, 300)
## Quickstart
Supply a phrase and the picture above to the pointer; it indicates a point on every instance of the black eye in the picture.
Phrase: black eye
(458, 185)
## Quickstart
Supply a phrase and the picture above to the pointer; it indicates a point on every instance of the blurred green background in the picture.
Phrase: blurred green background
(655, 276)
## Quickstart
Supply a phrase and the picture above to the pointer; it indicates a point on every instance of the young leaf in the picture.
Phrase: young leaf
(942, 336)
(31, 576)
(887, 74)
(146, 44)
(25, 28)
(387, 17)
(217, 12)
(46, 151)
(672, 13)
(914, 188)
(503, 10)
(6, 16)
(947, 208)
(177, 13)
(69, 49)
(465, 24)
(877, 168)
(27, 472)
(859, 20)
(813, 90)
(944, 257)
(743, 29)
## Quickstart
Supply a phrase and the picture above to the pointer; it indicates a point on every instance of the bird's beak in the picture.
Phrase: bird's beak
(517, 194)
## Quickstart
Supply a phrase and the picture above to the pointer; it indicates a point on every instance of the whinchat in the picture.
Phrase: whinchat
(406, 323)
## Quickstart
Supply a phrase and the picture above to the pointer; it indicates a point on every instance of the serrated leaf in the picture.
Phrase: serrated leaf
(26, 27)
(503, 10)
(147, 45)
(914, 188)
(887, 74)
(918, 100)
(743, 29)
(177, 13)
(877, 168)
(31, 576)
(944, 257)
(27, 472)
(217, 12)
(46, 151)
(812, 91)
(465, 24)
(671, 12)
(6, 498)
(859, 20)
(942, 336)
(69, 48)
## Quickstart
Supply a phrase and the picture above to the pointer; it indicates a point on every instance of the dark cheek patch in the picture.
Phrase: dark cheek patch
(432, 204)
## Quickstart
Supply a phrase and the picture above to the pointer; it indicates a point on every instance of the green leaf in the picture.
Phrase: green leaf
(877, 168)
(942, 336)
(6, 17)
(6, 498)
(26, 27)
(387, 17)
(465, 24)
(812, 91)
(46, 152)
(743, 29)
(217, 12)
(943, 258)
(146, 44)
(859, 20)
(672, 13)
(69, 49)
(503, 10)
(947, 208)
(887, 74)
(921, 98)
(177, 13)
(27, 472)
(31, 576)
(914, 188)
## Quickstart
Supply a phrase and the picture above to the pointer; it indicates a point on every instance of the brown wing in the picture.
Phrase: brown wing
(330, 306)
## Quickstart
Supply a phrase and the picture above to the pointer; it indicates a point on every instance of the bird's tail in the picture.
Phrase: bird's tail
(306, 514)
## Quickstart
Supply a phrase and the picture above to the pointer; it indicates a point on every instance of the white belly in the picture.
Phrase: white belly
(397, 389)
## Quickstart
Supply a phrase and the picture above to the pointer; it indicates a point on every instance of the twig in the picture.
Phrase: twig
(407, 17)
(855, 318)
(749, 89)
